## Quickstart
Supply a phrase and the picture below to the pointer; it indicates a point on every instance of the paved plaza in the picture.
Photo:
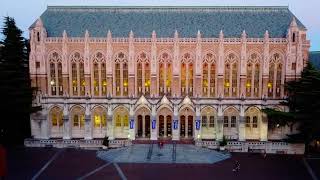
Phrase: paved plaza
(169, 153)
(69, 164)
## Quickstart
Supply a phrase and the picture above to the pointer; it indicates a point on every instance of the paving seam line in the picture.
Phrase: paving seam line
(123, 177)
(47, 164)
(94, 171)
(306, 164)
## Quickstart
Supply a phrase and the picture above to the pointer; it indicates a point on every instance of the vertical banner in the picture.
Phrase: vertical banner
(175, 124)
(131, 123)
(197, 124)
(154, 124)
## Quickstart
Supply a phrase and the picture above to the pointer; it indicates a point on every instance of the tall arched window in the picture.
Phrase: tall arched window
(121, 74)
(231, 76)
(186, 79)
(77, 75)
(275, 76)
(253, 76)
(208, 75)
(56, 117)
(143, 74)
(165, 74)
(99, 74)
(55, 81)
(99, 118)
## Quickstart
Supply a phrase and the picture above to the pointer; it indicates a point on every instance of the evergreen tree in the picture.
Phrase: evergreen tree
(304, 105)
(16, 93)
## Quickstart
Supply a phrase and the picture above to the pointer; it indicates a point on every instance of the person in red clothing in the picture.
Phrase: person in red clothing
(3, 162)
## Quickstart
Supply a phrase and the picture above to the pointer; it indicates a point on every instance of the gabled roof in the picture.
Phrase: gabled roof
(142, 20)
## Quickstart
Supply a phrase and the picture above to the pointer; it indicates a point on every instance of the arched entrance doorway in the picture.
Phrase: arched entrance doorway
(186, 122)
(230, 123)
(143, 124)
(165, 123)
(121, 122)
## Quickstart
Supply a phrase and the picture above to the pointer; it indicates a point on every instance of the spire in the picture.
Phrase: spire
(109, 34)
(153, 35)
(293, 22)
(131, 34)
(86, 35)
(221, 34)
(64, 34)
(244, 34)
(266, 35)
(198, 34)
(176, 34)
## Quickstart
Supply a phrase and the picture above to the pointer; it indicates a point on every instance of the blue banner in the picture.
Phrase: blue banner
(131, 123)
(197, 124)
(154, 124)
(175, 124)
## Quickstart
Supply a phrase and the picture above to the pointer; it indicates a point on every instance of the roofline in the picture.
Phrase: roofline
(168, 7)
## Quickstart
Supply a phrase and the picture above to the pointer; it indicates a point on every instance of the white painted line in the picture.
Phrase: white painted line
(123, 177)
(47, 164)
(314, 177)
(94, 171)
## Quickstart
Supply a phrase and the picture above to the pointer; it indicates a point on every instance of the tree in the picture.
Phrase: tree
(304, 104)
(16, 94)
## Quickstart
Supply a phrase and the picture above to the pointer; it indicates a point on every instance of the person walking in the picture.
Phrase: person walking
(236, 167)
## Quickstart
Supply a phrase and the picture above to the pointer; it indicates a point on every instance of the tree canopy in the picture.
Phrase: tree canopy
(304, 104)
(16, 93)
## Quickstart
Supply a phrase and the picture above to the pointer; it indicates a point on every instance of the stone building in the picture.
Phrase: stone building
(163, 72)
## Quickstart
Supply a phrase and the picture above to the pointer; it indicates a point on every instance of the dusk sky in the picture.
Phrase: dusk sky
(26, 12)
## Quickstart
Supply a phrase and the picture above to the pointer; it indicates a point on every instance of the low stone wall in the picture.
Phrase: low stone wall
(76, 143)
(258, 147)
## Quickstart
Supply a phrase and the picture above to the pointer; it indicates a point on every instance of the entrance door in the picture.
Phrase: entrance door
(169, 122)
(182, 126)
(139, 126)
(147, 126)
(161, 126)
(190, 126)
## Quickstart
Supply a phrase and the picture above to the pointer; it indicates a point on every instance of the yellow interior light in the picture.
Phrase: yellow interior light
(248, 85)
(269, 85)
(227, 84)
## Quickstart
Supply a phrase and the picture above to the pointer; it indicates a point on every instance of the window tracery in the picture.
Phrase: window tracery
(99, 75)
(275, 76)
(165, 74)
(231, 76)
(143, 74)
(55, 81)
(77, 75)
(208, 75)
(121, 74)
(253, 76)
(187, 75)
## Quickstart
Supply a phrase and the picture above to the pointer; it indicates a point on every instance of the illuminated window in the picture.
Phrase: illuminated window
(55, 80)
(56, 117)
(231, 76)
(118, 81)
(253, 76)
(99, 118)
(96, 79)
(103, 79)
(118, 121)
(187, 75)
(77, 75)
(275, 76)
(139, 78)
(125, 121)
(208, 75)
(121, 74)
(78, 117)
(164, 74)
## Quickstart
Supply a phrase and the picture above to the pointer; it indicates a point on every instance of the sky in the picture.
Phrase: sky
(26, 12)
